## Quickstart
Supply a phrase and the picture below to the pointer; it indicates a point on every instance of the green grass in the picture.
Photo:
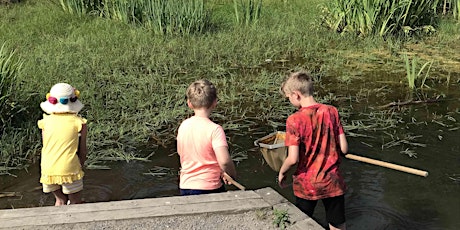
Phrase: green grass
(133, 81)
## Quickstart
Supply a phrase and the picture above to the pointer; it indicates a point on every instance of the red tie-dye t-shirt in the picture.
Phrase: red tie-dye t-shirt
(316, 129)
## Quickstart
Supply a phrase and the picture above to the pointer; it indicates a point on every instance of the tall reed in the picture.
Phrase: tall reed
(456, 9)
(174, 16)
(247, 11)
(80, 7)
(380, 17)
(161, 16)
(413, 75)
(449, 7)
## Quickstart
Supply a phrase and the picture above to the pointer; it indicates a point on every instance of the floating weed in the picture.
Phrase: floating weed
(455, 177)
(238, 155)
(158, 171)
(407, 139)
(409, 152)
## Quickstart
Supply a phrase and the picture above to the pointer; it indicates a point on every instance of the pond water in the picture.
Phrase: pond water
(377, 197)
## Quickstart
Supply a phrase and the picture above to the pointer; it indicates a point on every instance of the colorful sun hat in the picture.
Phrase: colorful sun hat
(62, 98)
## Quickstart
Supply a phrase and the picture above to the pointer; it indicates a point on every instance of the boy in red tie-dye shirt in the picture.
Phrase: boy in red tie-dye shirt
(315, 141)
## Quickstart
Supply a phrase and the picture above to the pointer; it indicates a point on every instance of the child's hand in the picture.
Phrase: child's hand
(282, 180)
(227, 182)
(227, 178)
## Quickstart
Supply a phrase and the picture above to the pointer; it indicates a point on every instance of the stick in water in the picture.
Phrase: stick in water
(387, 165)
(229, 178)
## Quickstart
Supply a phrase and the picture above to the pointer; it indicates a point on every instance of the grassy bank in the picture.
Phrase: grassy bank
(133, 81)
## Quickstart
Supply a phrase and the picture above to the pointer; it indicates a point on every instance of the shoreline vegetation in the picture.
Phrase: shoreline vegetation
(133, 68)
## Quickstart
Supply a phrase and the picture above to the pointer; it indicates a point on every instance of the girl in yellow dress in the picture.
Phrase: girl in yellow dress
(64, 144)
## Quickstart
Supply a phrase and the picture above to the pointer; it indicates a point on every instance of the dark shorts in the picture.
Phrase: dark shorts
(186, 192)
(335, 208)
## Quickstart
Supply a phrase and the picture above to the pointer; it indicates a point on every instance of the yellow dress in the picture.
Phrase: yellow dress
(59, 161)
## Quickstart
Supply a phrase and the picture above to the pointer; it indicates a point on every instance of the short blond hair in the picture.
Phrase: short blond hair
(298, 81)
(201, 94)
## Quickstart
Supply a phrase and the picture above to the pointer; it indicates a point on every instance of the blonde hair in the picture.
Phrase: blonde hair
(202, 94)
(298, 81)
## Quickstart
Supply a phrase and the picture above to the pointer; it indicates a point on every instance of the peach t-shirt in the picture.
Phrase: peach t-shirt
(197, 138)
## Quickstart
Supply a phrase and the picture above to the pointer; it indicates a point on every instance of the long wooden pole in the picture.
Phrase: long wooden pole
(387, 165)
(229, 178)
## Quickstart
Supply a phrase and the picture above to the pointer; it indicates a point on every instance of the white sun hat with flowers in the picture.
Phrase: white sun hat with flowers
(62, 98)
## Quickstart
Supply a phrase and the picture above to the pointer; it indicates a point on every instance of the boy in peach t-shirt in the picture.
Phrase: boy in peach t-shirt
(202, 145)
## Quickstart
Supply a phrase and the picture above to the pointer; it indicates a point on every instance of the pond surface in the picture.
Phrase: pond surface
(377, 197)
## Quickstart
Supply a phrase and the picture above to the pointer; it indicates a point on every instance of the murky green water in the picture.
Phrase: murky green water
(377, 197)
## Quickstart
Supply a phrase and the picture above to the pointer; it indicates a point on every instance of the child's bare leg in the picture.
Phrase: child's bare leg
(340, 227)
(61, 198)
(75, 198)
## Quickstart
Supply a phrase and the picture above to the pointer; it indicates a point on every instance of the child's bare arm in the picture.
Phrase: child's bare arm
(291, 160)
(343, 143)
(82, 149)
(224, 160)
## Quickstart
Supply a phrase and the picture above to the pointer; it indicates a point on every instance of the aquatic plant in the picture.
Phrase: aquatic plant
(415, 75)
